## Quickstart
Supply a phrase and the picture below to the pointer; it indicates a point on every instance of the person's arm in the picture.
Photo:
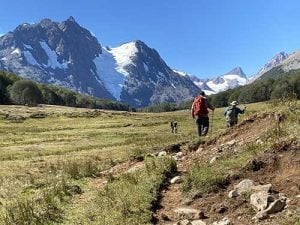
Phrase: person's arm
(192, 110)
(240, 111)
(210, 106)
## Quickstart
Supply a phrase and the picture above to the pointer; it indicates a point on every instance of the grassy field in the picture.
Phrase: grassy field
(46, 151)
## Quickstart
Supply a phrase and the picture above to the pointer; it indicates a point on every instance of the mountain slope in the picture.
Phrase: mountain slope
(274, 62)
(56, 53)
(67, 55)
(232, 79)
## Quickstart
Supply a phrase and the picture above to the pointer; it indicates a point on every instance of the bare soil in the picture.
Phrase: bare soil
(279, 166)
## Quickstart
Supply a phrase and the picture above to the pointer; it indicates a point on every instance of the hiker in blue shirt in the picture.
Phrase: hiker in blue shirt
(231, 113)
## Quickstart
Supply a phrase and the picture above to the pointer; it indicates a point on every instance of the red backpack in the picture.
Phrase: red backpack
(200, 106)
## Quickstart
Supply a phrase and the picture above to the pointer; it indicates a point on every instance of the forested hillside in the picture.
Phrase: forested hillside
(275, 87)
(16, 90)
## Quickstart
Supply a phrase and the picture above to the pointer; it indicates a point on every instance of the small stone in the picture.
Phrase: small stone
(233, 194)
(224, 221)
(214, 159)
(179, 154)
(198, 222)
(298, 196)
(261, 216)
(262, 188)
(188, 213)
(261, 200)
(162, 153)
(200, 149)
(164, 217)
(176, 180)
(230, 143)
(276, 206)
(221, 208)
(259, 142)
(184, 222)
(244, 186)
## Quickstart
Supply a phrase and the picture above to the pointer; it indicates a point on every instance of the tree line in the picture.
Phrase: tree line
(16, 90)
(286, 85)
(279, 86)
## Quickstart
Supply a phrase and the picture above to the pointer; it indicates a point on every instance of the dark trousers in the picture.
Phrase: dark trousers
(202, 125)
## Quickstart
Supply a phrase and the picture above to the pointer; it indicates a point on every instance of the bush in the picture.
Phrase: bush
(25, 92)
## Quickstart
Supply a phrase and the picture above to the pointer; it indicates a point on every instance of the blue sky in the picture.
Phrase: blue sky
(202, 37)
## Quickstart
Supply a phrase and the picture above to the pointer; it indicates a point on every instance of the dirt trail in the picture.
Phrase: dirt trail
(284, 179)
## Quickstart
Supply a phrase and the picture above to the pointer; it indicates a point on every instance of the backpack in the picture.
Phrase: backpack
(200, 106)
(230, 115)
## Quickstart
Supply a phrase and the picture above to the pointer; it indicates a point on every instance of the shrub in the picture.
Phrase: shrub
(25, 92)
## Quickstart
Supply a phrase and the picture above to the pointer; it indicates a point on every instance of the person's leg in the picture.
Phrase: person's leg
(205, 125)
(199, 126)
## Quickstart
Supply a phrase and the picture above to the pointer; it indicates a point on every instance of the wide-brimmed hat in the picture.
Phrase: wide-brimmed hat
(234, 103)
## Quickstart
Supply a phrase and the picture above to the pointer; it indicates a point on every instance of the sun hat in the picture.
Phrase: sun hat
(234, 103)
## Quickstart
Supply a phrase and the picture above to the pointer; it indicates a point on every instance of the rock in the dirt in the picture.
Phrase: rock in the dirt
(179, 154)
(261, 216)
(198, 222)
(221, 208)
(214, 159)
(224, 221)
(276, 206)
(233, 194)
(230, 143)
(164, 217)
(135, 168)
(244, 186)
(176, 180)
(188, 213)
(199, 150)
(259, 142)
(183, 222)
(261, 200)
(162, 153)
(298, 196)
(262, 188)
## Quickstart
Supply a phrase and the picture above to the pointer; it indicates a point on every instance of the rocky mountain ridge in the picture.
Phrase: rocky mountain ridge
(68, 55)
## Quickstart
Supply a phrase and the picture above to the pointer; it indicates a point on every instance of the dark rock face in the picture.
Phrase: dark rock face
(237, 71)
(151, 81)
(64, 54)
(58, 53)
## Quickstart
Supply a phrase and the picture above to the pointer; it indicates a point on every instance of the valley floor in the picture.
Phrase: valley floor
(63, 165)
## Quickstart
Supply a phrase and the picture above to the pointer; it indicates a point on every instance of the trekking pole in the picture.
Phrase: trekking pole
(212, 121)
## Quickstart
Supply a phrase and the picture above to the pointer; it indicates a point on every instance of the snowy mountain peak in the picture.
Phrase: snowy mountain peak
(275, 61)
(71, 19)
(237, 71)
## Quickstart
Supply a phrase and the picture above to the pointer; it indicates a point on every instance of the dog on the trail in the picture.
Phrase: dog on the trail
(173, 126)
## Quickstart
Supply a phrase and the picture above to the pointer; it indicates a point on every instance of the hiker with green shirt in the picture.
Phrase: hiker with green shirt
(231, 113)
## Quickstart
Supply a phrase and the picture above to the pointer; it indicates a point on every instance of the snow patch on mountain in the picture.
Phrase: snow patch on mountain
(181, 73)
(123, 56)
(16, 51)
(226, 82)
(29, 58)
(52, 57)
(111, 72)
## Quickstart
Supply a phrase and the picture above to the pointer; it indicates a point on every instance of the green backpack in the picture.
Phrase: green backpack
(230, 114)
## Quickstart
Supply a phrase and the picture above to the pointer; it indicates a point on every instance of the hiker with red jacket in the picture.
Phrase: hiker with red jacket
(200, 112)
